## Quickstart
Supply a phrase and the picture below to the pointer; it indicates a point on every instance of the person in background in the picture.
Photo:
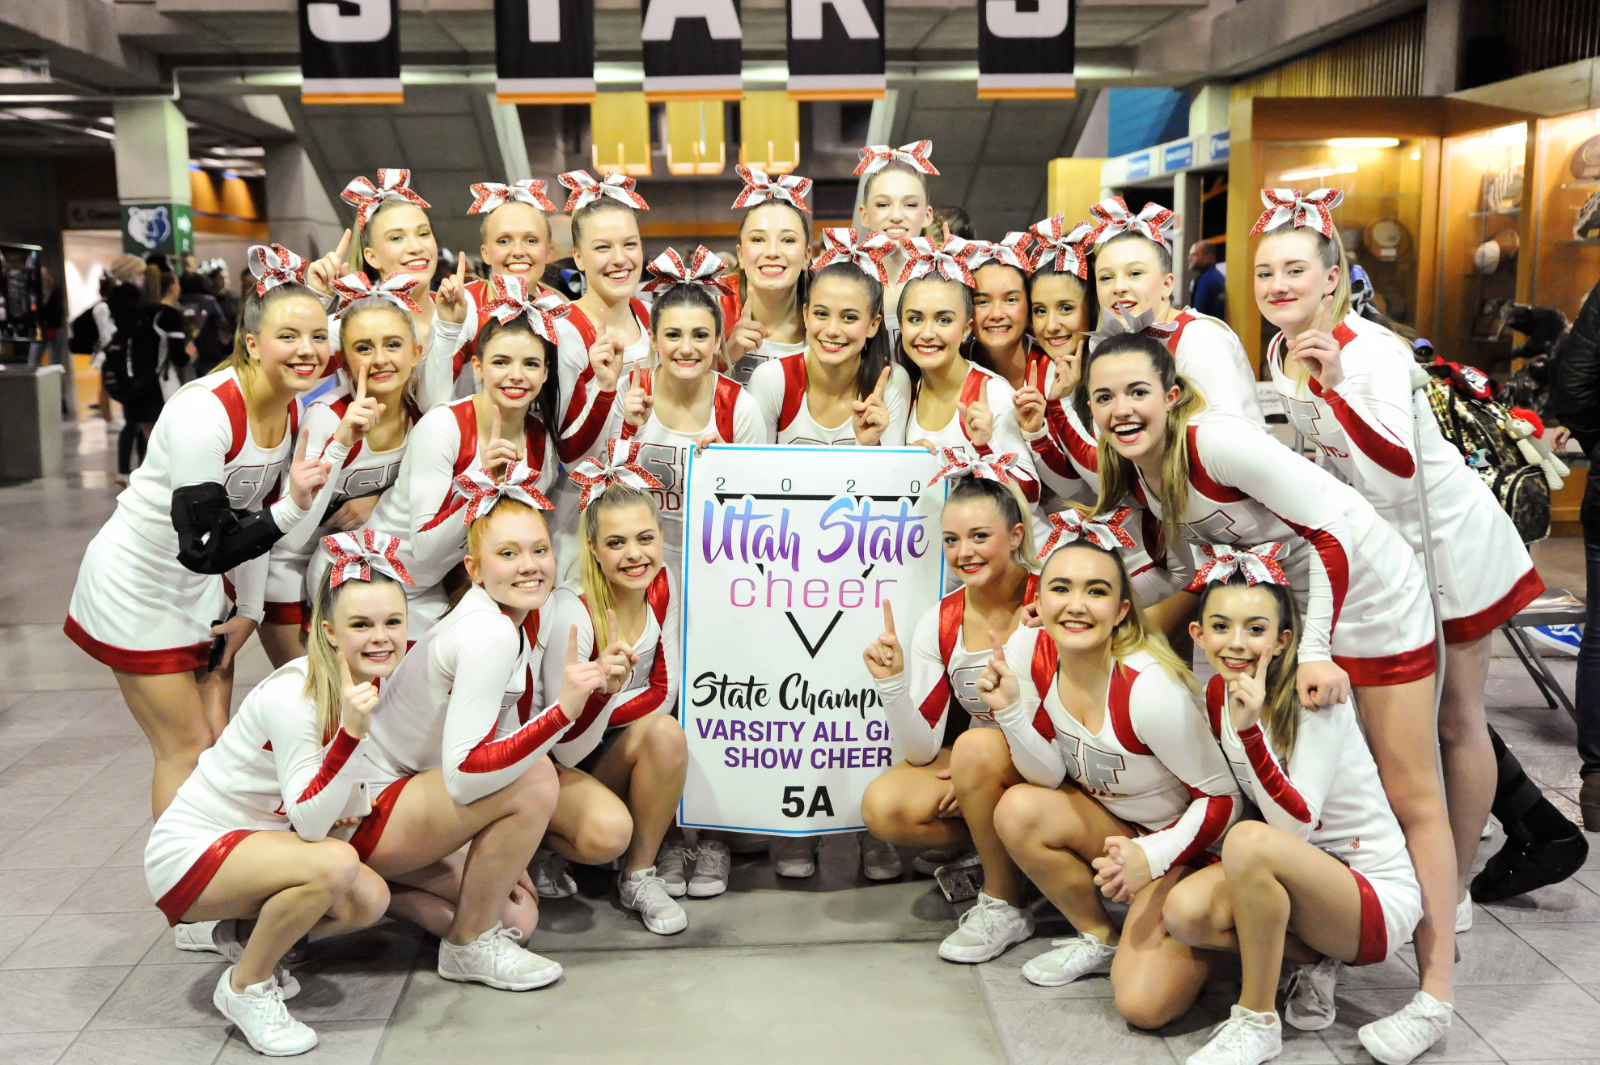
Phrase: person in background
(227, 295)
(213, 340)
(119, 299)
(156, 338)
(1208, 289)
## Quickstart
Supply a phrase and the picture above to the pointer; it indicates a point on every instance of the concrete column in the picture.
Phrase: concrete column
(1186, 201)
(1208, 108)
(153, 177)
(1441, 47)
(299, 214)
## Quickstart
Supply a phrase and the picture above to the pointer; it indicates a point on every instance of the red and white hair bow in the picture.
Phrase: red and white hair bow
(274, 265)
(509, 300)
(357, 554)
(483, 491)
(874, 157)
(1066, 250)
(1070, 525)
(950, 261)
(396, 288)
(848, 246)
(704, 269)
(492, 194)
(1291, 207)
(621, 466)
(759, 188)
(960, 461)
(1153, 221)
(1013, 251)
(1258, 564)
(586, 190)
(367, 197)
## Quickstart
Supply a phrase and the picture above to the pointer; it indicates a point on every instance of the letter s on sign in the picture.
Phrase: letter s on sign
(544, 21)
(370, 23)
(1050, 20)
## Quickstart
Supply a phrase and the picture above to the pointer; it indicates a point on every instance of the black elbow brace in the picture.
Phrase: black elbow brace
(212, 536)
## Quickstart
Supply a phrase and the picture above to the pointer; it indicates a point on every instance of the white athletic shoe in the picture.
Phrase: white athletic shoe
(672, 861)
(225, 941)
(794, 857)
(1245, 1038)
(987, 930)
(1464, 915)
(1308, 1003)
(1400, 1037)
(552, 879)
(645, 892)
(262, 1018)
(879, 860)
(712, 863)
(1072, 958)
(928, 862)
(194, 936)
(497, 960)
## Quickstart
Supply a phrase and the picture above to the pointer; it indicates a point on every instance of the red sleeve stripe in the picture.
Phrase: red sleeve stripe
(583, 439)
(1369, 438)
(1044, 678)
(339, 752)
(1083, 451)
(1053, 457)
(1183, 320)
(491, 755)
(1216, 701)
(1218, 810)
(1331, 551)
(952, 610)
(1284, 793)
(1122, 679)
(649, 701)
(794, 387)
(723, 403)
(232, 400)
(1203, 481)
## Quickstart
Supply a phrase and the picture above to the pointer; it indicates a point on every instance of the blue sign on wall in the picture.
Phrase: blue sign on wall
(1139, 165)
(1220, 142)
(1178, 156)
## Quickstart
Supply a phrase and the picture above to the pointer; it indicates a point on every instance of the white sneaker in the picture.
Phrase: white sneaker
(1401, 1037)
(1072, 958)
(928, 862)
(1245, 1038)
(987, 930)
(262, 1018)
(552, 879)
(672, 859)
(645, 892)
(794, 857)
(879, 860)
(194, 936)
(1308, 1004)
(497, 960)
(224, 940)
(712, 863)
(1464, 915)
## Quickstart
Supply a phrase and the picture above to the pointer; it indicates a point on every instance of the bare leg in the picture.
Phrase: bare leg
(1469, 763)
(283, 643)
(427, 898)
(170, 709)
(981, 769)
(1155, 978)
(901, 805)
(1199, 912)
(646, 766)
(591, 825)
(1053, 836)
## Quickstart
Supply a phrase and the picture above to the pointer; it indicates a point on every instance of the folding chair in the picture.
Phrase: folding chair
(1557, 606)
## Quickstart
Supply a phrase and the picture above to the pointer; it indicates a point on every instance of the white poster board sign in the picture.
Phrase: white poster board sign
(789, 553)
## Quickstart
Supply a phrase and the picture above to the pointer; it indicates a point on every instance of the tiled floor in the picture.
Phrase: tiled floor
(834, 969)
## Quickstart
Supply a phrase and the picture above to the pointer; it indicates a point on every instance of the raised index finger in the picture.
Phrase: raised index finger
(888, 618)
(883, 383)
(344, 245)
(572, 646)
(494, 424)
(1262, 664)
(461, 266)
(300, 448)
(361, 384)
(344, 671)
(1324, 319)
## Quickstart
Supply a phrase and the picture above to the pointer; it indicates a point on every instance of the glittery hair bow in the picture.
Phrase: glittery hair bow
(848, 246)
(586, 190)
(509, 300)
(483, 492)
(274, 265)
(396, 288)
(1258, 564)
(1291, 207)
(492, 194)
(357, 554)
(1112, 324)
(1153, 221)
(1070, 525)
(874, 157)
(1013, 251)
(620, 466)
(367, 197)
(759, 188)
(704, 268)
(1066, 250)
(960, 461)
(949, 261)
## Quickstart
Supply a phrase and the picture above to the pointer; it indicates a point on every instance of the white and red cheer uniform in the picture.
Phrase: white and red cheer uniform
(779, 387)
(435, 372)
(1006, 437)
(269, 771)
(1153, 764)
(135, 607)
(769, 350)
(1365, 429)
(1210, 357)
(1331, 797)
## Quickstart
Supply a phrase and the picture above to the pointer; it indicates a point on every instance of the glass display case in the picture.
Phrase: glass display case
(1565, 201)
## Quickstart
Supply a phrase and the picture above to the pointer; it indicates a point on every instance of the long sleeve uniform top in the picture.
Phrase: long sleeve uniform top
(779, 386)
(589, 416)
(1006, 438)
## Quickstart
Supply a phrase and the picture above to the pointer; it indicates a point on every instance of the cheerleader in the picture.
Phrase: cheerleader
(627, 742)
(361, 435)
(894, 204)
(683, 403)
(1097, 695)
(457, 748)
(957, 763)
(501, 425)
(1000, 309)
(215, 492)
(1212, 478)
(1348, 390)
(1133, 279)
(245, 842)
(842, 390)
(774, 240)
(1328, 863)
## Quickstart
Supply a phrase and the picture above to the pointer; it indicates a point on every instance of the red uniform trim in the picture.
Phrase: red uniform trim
(1183, 320)
(238, 416)
(723, 403)
(1389, 670)
(1201, 479)
(1083, 452)
(1334, 561)
(1528, 587)
(491, 755)
(794, 387)
(1268, 772)
(167, 660)
(192, 885)
(1216, 700)
(285, 613)
(339, 752)
(367, 834)
(466, 450)
(1374, 941)
(1218, 809)
(1030, 589)
(1044, 677)
(952, 608)
(1381, 449)
(1122, 679)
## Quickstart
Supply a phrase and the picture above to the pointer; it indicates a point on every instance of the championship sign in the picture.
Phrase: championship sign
(789, 555)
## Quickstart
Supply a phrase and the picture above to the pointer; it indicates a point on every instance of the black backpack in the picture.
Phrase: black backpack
(1470, 418)
(85, 333)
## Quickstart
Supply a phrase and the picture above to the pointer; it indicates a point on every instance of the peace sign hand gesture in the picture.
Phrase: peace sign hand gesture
(356, 701)
(451, 299)
(998, 687)
(320, 275)
(872, 414)
(1247, 694)
(883, 656)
